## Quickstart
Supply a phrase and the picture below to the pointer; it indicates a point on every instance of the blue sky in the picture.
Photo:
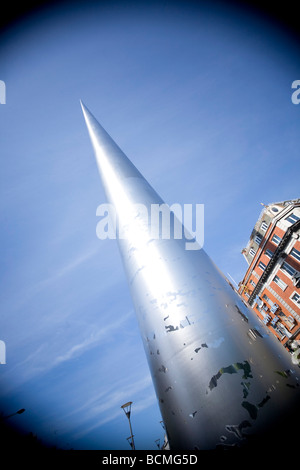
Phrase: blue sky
(199, 98)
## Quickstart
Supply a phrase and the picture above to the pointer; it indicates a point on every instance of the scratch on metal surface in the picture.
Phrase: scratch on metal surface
(231, 369)
(237, 429)
(254, 409)
(170, 328)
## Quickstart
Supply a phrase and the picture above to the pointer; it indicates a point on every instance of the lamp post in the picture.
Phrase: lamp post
(127, 410)
(19, 412)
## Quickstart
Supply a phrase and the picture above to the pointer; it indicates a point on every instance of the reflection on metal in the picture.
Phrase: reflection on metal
(214, 365)
(296, 352)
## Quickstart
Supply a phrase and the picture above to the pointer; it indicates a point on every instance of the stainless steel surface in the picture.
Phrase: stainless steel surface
(220, 378)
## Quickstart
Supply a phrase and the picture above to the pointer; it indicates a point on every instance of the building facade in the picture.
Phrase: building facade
(271, 285)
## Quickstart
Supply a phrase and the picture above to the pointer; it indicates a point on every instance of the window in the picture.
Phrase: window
(269, 253)
(290, 321)
(252, 283)
(292, 218)
(280, 283)
(274, 321)
(295, 298)
(289, 269)
(267, 318)
(259, 301)
(276, 239)
(269, 301)
(295, 253)
(261, 265)
(258, 239)
(274, 308)
(264, 226)
(252, 252)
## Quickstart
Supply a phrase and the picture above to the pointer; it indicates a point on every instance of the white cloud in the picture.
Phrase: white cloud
(94, 338)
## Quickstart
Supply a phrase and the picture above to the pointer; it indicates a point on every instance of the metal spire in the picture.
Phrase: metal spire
(220, 378)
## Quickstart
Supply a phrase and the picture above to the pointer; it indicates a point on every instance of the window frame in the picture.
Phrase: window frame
(281, 284)
(266, 253)
(275, 242)
(296, 256)
(291, 216)
(296, 302)
(263, 269)
(258, 239)
(264, 226)
(286, 270)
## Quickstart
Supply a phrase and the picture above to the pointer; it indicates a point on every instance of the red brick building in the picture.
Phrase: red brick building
(271, 285)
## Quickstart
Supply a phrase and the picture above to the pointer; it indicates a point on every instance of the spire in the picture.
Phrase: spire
(116, 169)
(106, 149)
(213, 364)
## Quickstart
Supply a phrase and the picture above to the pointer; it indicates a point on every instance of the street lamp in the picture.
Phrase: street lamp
(127, 410)
(19, 412)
